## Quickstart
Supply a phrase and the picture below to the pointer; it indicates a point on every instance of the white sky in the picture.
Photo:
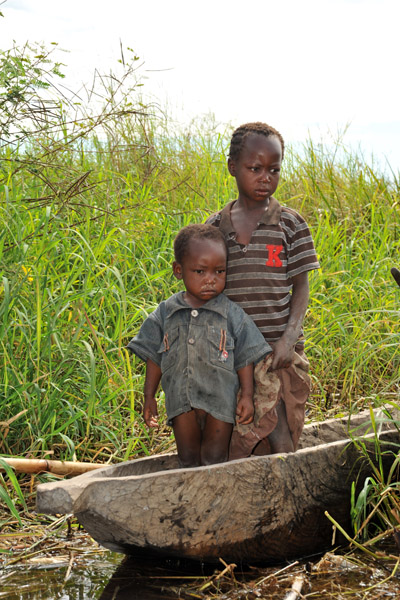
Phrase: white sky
(303, 66)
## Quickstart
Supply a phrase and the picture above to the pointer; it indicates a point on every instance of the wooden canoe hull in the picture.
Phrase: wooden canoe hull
(266, 509)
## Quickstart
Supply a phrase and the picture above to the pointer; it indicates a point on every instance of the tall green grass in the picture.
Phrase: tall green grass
(86, 253)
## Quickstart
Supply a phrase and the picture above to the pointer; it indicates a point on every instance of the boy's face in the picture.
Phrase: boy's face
(203, 271)
(257, 169)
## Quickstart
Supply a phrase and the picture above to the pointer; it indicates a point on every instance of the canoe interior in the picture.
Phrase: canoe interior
(314, 434)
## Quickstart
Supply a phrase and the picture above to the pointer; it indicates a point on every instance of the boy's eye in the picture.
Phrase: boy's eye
(219, 271)
(254, 169)
(275, 170)
(200, 271)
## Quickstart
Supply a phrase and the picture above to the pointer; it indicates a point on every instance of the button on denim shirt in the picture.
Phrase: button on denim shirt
(200, 351)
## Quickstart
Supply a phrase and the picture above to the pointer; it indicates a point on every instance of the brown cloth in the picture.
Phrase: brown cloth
(292, 385)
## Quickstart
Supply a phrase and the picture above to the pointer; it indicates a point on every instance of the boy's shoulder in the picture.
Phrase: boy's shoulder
(291, 214)
(173, 303)
(216, 217)
(277, 212)
(166, 307)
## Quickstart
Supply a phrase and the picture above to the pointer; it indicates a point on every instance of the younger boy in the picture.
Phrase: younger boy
(202, 347)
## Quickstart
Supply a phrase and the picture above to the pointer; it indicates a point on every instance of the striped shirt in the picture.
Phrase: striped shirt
(259, 274)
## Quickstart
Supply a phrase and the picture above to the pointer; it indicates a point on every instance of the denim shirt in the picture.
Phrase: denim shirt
(199, 352)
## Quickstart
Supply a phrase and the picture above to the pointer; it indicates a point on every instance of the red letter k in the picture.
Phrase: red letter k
(273, 256)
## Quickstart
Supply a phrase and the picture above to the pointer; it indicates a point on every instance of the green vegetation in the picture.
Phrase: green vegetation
(92, 194)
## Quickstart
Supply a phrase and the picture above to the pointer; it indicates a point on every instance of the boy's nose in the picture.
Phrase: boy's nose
(265, 175)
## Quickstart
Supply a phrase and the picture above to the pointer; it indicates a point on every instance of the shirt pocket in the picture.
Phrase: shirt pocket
(168, 349)
(220, 347)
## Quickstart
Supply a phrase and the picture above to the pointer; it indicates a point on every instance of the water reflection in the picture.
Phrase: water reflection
(88, 577)
(103, 575)
(152, 580)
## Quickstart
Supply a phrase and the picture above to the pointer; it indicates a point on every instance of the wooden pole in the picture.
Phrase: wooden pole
(58, 467)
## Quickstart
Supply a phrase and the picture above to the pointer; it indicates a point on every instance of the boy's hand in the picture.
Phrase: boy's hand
(244, 411)
(150, 412)
(284, 348)
(282, 355)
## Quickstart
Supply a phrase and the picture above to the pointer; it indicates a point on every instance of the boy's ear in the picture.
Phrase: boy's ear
(177, 269)
(231, 167)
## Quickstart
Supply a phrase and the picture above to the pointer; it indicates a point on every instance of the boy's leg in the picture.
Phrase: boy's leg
(270, 432)
(188, 435)
(215, 442)
(280, 438)
(296, 386)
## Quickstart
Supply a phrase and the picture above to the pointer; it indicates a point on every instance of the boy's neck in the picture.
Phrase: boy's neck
(248, 206)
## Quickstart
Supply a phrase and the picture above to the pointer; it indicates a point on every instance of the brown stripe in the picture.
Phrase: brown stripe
(262, 290)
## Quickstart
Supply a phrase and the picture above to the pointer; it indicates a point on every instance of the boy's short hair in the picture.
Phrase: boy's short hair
(241, 133)
(197, 231)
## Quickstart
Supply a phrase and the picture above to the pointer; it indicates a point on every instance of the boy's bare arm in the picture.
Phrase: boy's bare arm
(151, 383)
(284, 347)
(245, 405)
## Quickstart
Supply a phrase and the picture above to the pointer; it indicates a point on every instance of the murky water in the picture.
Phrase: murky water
(106, 577)
(46, 581)
(109, 576)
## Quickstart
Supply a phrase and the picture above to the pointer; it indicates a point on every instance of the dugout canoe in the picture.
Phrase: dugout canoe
(258, 509)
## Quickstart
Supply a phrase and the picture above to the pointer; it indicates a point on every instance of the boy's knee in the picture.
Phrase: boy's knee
(188, 460)
(281, 446)
(212, 456)
(280, 440)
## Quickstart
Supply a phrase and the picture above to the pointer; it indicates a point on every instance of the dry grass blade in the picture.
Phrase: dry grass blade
(279, 572)
(69, 569)
(228, 570)
(297, 586)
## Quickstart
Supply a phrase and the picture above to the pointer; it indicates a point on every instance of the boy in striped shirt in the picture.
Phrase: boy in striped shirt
(270, 251)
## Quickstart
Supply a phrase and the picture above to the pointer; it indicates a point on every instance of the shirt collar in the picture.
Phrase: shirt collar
(270, 217)
(218, 304)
